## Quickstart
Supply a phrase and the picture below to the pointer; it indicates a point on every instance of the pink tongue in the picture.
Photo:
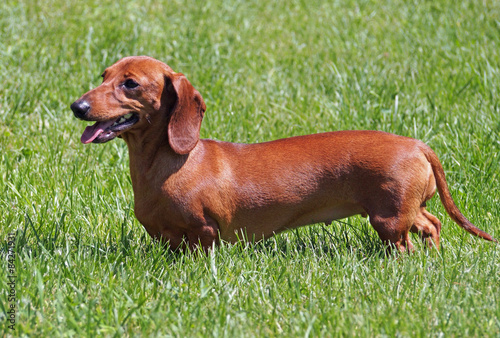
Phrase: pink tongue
(91, 132)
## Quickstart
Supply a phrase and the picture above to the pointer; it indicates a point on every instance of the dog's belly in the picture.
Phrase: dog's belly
(328, 214)
(261, 224)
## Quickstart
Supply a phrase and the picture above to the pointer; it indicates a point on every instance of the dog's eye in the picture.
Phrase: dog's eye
(130, 84)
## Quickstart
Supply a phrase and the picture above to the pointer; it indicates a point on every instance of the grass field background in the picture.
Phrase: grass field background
(266, 69)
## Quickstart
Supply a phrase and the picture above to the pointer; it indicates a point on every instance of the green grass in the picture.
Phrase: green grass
(86, 267)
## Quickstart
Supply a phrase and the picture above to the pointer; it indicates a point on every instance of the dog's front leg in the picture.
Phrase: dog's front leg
(204, 234)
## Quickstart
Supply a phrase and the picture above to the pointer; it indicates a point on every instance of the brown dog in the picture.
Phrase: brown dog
(200, 191)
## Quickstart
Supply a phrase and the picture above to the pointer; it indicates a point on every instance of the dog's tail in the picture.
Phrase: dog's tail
(445, 195)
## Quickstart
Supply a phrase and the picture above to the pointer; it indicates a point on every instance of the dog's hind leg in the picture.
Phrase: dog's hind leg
(428, 227)
(393, 231)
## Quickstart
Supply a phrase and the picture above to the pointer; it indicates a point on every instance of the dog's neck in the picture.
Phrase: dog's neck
(151, 158)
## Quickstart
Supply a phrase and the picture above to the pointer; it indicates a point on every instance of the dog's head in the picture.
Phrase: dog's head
(136, 93)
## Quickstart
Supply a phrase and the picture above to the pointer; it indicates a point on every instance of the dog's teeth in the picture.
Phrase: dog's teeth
(121, 120)
(128, 116)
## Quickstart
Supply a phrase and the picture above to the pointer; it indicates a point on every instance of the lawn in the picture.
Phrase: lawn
(84, 266)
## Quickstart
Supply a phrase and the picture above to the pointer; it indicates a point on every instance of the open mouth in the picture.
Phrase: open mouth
(104, 131)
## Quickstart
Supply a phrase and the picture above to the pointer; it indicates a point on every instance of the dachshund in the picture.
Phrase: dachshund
(192, 192)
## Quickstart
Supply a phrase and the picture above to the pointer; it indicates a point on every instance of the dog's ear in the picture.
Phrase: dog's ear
(185, 116)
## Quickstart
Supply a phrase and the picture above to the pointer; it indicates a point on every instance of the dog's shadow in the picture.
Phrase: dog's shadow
(355, 237)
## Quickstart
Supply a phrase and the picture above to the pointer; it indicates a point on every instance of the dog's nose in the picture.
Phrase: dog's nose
(80, 108)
